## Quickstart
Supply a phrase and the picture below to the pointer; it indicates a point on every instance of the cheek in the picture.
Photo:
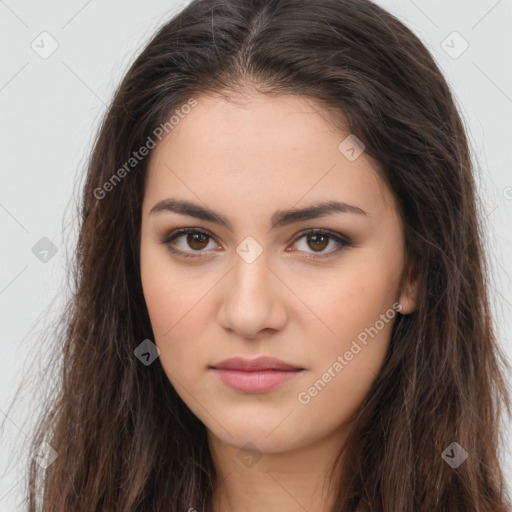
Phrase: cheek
(346, 367)
(357, 307)
(172, 293)
(351, 298)
(176, 304)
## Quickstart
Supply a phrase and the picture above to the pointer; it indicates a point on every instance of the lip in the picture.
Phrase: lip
(254, 375)
(260, 363)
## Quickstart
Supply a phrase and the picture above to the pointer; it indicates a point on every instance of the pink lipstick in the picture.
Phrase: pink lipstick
(255, 375)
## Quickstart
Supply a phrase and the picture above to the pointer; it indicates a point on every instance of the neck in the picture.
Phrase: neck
(293, 481)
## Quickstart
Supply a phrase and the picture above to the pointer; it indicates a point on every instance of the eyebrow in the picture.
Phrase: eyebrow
(279, 218)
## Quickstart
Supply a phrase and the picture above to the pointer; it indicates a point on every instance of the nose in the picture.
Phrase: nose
(253, 299)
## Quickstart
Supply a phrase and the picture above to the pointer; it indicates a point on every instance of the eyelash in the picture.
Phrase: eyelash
(343, 241)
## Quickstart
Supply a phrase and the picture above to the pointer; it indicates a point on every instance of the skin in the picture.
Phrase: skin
(246, 160)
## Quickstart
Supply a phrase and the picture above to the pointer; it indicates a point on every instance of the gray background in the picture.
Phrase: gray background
(50, 109)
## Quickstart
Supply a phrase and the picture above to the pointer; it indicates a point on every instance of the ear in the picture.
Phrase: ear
(409, 293)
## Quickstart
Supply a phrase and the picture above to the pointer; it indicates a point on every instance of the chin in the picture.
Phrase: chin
(265, 438)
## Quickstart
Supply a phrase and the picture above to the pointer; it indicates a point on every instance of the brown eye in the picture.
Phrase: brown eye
(193, 242)
(317, 242)
(188, 242)
(197, 241)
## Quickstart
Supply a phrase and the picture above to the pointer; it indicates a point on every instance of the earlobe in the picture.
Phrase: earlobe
(409, 294)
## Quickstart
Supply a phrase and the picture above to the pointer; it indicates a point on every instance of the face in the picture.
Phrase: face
(252, 276)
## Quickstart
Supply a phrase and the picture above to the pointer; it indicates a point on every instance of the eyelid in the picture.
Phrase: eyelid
(175, 233)
(342, 241)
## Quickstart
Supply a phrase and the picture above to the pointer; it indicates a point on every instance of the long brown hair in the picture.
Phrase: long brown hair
(125, 440)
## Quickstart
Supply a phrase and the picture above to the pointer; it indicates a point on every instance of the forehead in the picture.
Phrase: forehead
(249, 123)
(264, 149)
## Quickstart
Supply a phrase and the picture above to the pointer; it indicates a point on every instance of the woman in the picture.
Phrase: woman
(280, 295)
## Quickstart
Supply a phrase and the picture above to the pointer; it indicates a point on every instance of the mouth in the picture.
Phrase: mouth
(256, 375)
